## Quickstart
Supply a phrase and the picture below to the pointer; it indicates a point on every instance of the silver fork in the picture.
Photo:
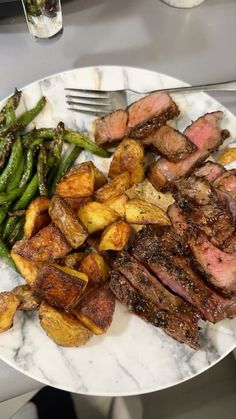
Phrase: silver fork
(101, 102)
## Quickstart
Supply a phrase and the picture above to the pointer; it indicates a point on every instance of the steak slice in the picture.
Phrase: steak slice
(111, 128)
(170, 143)
(183, 332)
(176, 273)
(209, 171)
(204, 133)
(151, 289)
(227, 183)
(219, 266)
(150, 112)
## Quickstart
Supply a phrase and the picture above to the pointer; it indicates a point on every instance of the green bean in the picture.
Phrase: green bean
(41, 170)
(66, 162)
(5, 254)
(24, 119)
(6, 146)
(16, 213)
(3, 212)
(15, 180)
(14, 236)
(57, 142)
(28, 168)
(40, 135)
(11, 104)
(10, 196)
(12, 165)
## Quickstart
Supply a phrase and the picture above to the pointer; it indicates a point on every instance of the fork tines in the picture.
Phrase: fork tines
(89, 101)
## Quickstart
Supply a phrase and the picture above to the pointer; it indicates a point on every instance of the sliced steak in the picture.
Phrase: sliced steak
(170, 143)
(176, 273)
(204, 133)
(183, 332)
(219, 266)
(229, 246)
(209, 171)
(227, 183)
(177, 218)
(151, 289)
(150, 112)
(111, 128)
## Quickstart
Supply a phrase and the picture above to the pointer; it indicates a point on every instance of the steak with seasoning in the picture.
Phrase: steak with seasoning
(184, 332)
(209, 171)
(111, 128)
(227, 183)
(170, 143)
(206, 135)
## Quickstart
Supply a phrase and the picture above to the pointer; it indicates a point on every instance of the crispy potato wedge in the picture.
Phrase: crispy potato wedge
(8, 306)
(67, 221)
(78, 182)
(100, 178)
(117, 204)
(115, 236)
(76, 203)
(96, 309)
(27, 300)
(115, 187)
(138, 211)
(95, 267)
(37, 216)
(129, 155)
(60, 286)
(227, 156)
(27, 268)
(96, 216)
(148, 193)
(73, 260)
(63, 328)
(47, 245)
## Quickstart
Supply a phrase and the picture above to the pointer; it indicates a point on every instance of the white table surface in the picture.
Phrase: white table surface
(195, 45)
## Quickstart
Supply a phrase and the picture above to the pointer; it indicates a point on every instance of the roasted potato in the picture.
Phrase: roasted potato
(60, 286)
(27, 301)
(27, 268)
(129, 155)
(8, 306)
(48, 244)
(96, 309)
(156, 177)
(138, 211)
(227, 156)
(95, 267)
(67, 221)
(114, 187)
(96, 216)
(63, 328)
(78, 182)
(73, 260)
(76, 203)
(100, 178)
(148, 193)
(37, 216)
(117, 204)
(115, 236)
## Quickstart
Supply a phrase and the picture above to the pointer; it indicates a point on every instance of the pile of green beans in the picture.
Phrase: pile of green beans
(31, 164)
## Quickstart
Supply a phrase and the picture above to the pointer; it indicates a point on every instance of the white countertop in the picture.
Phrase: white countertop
(195, 45)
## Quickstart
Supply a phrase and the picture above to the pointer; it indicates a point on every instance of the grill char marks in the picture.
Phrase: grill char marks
(209, 171)
(178, 329)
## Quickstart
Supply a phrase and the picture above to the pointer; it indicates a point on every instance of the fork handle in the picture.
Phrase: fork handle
(225, 86)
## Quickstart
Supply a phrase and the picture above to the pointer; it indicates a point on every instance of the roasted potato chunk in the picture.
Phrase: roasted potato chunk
(129, 155)
(78, 182)
(96, 309)
(68, 222)
(8, 306)
(63, 328)
(156, 177)
(60, 286)
(96, 216)
(48, 244)
(27, 268)
(227, 156)
(76, 203)
(138, 211)
(95, 267)
(117, 204)
(27, 301)
(100, 178)
(73, 260)
(115, 187)
(148, 193)
(115, 236)
(37, 216)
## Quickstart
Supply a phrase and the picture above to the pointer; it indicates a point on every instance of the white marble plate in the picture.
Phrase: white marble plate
(133, 357)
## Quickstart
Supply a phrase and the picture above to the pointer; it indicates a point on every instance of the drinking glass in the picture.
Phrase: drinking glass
(44, 18)
(183, 3)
